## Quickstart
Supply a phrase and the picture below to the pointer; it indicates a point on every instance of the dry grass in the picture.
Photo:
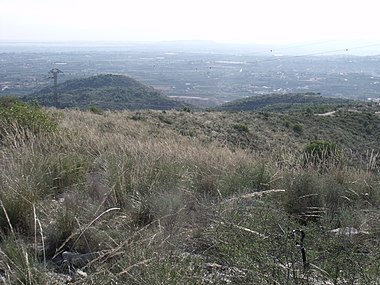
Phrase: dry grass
(155, 207)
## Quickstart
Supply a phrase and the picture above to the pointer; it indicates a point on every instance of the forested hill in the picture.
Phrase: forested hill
(105, 91)
(283, 102)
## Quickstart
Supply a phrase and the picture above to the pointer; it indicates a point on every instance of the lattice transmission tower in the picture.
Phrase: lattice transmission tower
(54, 75)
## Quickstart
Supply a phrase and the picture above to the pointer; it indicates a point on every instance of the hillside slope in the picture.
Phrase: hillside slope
(354, 129)
(105, 91)
(283, 102)
(175, 197)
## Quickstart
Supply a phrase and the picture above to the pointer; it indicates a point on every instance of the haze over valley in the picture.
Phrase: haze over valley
(202, 73)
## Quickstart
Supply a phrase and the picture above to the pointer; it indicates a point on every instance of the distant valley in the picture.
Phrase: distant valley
(115, 177)
(205, 78)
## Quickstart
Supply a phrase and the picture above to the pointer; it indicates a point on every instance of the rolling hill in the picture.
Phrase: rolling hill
(105, 91)
(283, 102)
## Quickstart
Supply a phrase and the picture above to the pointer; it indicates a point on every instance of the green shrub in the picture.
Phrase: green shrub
(321, 148)
(317, 152)
(17, 116)
(241, 128)
(96, 110)
(297, 128)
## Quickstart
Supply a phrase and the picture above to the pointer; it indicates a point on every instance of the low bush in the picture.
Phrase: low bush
(322, 154)
(241, 128)
(96, 110)
(297, 128)
(17, 116)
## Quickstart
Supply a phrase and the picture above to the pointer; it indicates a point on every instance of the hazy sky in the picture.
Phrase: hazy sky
(264, 21)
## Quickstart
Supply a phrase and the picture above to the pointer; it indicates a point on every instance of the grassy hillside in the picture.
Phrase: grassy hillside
(285, 103)
(171, 198)
(115, 92)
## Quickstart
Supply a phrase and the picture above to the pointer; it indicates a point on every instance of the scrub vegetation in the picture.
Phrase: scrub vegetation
(179, 197)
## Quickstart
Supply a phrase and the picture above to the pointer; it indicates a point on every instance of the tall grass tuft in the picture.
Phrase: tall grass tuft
(18, 263)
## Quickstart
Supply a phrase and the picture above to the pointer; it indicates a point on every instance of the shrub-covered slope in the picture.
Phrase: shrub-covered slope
(356, 130)
(284, 102)
(127, 198)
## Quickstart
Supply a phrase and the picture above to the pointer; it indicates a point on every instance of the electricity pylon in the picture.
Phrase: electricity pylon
(54, 76)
